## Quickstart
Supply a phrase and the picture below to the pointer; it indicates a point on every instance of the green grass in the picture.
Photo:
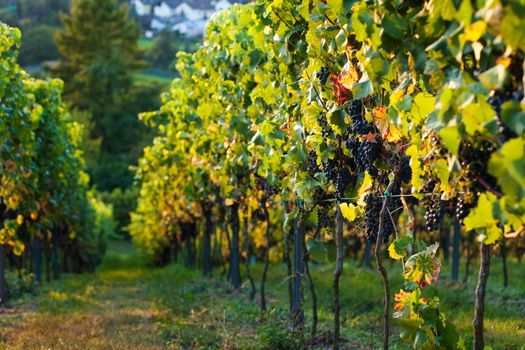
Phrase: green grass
(145, 43)
(127, 305)
(153, 78)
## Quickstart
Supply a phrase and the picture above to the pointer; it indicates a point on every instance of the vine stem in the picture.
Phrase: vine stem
(4, 293)
(288, 260)
(381, 268)
(479, 309)
(266, 259)
(298, 272)
(337, 275)
(245, 229)
(311, 286)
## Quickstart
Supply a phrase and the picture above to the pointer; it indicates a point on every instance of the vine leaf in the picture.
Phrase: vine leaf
(508, 166)
(474, 31)
(363, 189)
(398, 248)
(350, 212)
(404, 303)
(494, 78)
(316, 249)
(423, 268)
(348, 76)
(341, 93)
(482, 219)
(18, 248)
(388, 130)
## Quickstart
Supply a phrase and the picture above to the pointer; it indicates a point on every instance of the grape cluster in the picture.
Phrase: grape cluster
(326, 129)
(330, 168)
(474, 157)
(435, 211)
(367, 153)
(268, 189)
(372, 211)
(359, 124)
(340, 175)
(312, 166)
(323, 75)
(405, 173)
(343, 179)
(496, 101)
(462, 209)
(374, 203)
(324, 219)
(352, 144)
(435, 208)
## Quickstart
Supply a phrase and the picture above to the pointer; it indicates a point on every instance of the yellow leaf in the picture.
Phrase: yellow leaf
(388, 130)
(504, 61)
(397, 96)
(393, 253)
(228, 202)
(349, 211)
(19, 248)
(363, 189)
(20, 219)
(474, 31)
(492, 235)
(415, 166)
(348, 76)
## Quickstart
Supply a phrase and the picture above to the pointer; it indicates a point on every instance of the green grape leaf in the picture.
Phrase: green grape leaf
(513, 27)
(451, 138)
(476, 116)
(508, 167)
(316, 249)
(494, 77)
(363, 88)
(398, 249)
(335, 5)
(513, 115)
(423, 105)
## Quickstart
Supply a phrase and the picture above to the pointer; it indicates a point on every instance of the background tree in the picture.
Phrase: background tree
(165, 49)
(99, 53)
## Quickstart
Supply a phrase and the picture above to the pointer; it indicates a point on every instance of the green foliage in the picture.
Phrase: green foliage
(250, 104)
(38, 45)
(123, 202)
(164, 50)
(43, 183)
(105, 223)
(276, 335)
(32, 13)
(21, 284)
(99, 55)
(97, 60)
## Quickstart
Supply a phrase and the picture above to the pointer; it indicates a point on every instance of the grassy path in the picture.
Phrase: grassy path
(126, 305)
(106, 310)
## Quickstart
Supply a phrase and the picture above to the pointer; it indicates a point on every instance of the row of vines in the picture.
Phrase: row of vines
(48, 217)
(319, 116)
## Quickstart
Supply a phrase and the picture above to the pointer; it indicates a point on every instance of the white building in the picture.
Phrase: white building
(188, 17)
